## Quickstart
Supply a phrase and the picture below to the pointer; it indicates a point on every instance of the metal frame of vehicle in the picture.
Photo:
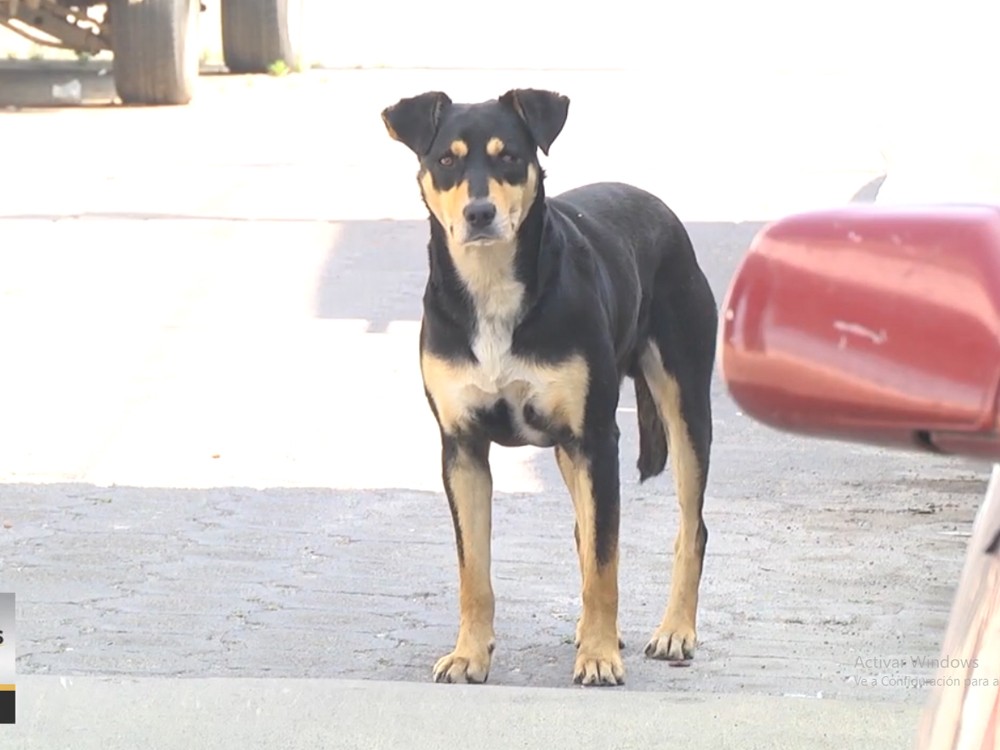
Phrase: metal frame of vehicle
(155, 42)
(54, 23)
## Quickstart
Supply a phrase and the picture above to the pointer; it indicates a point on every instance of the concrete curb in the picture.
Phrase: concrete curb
(108, 713)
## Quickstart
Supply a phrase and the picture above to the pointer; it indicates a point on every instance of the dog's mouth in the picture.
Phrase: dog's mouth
(480, 235)
(502, 229)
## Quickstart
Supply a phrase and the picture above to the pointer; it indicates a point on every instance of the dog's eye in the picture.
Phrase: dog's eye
(447, 160)
(509, 158)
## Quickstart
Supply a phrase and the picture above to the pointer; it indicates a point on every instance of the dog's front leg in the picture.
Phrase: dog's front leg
(469, 486)
(591, 473)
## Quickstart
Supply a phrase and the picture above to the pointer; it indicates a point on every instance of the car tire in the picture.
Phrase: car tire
(156, 51)
(257, 34)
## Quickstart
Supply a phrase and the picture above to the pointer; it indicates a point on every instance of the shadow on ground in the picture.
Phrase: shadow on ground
(377, 269)
(28, 85)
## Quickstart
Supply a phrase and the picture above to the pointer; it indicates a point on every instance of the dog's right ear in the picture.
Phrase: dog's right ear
(414, 121)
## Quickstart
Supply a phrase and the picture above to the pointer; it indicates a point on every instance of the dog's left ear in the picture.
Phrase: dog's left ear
(414, 121)
(544, 112)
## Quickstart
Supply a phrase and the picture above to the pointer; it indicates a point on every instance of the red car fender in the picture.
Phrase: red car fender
(871, 324)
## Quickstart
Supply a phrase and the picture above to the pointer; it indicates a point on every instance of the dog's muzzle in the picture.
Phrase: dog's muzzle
(480, 220)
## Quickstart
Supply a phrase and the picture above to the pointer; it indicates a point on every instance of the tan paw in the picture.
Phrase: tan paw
(465, 665)
(597, 666)
(673, 641)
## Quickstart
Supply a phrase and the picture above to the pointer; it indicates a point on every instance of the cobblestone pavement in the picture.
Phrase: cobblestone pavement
(216, 458)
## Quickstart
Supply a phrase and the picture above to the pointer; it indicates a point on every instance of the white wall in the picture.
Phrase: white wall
(919, 71)
(626, 33)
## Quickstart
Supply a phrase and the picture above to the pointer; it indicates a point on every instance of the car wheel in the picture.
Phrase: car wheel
(259, 34)
(156, 51)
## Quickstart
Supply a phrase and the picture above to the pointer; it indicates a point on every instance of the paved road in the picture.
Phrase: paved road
(217, 461)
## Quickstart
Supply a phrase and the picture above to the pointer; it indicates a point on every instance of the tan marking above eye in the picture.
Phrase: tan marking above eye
(494, 147)
(460, 148)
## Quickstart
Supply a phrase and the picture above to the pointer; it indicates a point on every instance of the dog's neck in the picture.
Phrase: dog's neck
(489, 275)
(498, 279)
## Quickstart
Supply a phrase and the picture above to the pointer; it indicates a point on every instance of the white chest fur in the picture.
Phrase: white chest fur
(492, 347)
(499, 375)
(497, 296)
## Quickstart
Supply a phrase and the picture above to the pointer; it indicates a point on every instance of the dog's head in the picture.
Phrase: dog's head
(479, 171)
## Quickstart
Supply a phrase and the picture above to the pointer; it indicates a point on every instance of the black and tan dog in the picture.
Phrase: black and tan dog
(535, 310)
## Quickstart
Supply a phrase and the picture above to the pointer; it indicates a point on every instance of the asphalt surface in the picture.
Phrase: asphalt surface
(217, 461)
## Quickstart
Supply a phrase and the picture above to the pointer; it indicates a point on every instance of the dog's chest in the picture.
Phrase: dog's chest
(504, 390)
(497, 302)
(506, 396)
(496, 366)
(513, 399)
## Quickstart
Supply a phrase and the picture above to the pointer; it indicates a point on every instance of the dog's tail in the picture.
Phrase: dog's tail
(652, 433)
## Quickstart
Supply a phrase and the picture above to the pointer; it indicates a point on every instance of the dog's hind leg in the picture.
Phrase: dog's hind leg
(677, 366)
(469, 486)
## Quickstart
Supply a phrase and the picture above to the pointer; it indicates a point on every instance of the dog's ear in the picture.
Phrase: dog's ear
(414, 121)
(544, 112)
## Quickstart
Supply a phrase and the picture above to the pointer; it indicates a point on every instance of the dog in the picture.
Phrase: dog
(535, 310)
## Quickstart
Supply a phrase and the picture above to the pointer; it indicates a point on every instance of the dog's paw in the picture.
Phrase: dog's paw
(599, 666)
(673, 642)
(465, 665)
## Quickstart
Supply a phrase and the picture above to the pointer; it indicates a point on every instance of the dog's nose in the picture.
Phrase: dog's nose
(480, 214)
